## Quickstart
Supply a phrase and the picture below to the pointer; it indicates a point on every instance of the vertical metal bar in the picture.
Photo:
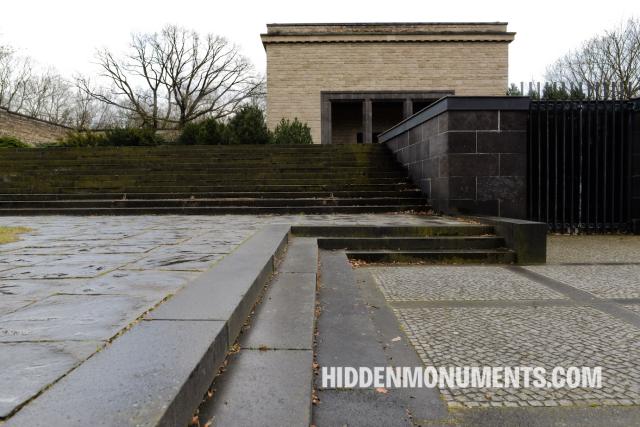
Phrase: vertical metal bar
(631, 111)
(530, 164)
(572, 191)
(605, 169)
(621, 216)
(581, 166)
(564, 165)
(539, 147)
(548, 169)
(596, 165)
(613, 167)
(587, 205)
(555, 165)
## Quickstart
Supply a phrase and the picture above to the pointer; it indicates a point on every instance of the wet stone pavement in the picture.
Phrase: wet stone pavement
(74, 283)
(581, 309)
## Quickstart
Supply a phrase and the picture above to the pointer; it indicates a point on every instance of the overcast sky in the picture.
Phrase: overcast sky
(65, 33)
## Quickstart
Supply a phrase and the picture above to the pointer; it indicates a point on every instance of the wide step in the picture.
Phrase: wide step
(205, 180)
(459, 256)
(412, 243)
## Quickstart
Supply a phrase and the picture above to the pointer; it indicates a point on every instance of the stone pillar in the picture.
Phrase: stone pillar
(367, 121)
(407, 108)
(325, 137)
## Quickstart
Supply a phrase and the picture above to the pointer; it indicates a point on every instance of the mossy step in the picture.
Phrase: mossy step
(372, 231)
(460, 256)
(231, 210)
(152, 203)
(413, 193)
(411, 243)
(230, 187)
(215, 174)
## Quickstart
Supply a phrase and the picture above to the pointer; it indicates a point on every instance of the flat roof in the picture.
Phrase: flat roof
(299, 24)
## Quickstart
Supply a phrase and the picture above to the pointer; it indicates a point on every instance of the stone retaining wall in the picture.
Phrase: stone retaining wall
(29, 130)
(467, 154)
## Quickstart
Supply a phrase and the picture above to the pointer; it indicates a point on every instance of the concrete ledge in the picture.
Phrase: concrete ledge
(230, 289)
(527, 238)
(154, 375)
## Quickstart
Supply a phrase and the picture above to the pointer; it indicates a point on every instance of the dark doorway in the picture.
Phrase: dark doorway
(346, 122)
(386, 114)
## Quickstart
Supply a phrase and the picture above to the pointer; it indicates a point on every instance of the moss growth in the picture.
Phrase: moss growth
(10, 234)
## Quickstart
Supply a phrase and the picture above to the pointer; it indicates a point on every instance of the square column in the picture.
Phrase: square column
(407, 110)
(326, 122)
(367, 121)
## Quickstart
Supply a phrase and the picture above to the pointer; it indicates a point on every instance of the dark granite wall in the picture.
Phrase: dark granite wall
(467, 161)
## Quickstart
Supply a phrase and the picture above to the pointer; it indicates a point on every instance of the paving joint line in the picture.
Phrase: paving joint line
(586, 298)
(484, 303)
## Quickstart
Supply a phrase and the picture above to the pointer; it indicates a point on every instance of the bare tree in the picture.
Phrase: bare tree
(176, 76)
(15, 75)
(604, 65)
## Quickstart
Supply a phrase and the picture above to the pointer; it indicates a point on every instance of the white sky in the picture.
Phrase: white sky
(65, 33)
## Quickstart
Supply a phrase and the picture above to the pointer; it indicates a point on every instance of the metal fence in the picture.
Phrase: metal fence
(580, 165)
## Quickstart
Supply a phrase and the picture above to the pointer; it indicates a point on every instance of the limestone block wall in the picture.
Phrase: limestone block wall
(29, 130)
(302, 61)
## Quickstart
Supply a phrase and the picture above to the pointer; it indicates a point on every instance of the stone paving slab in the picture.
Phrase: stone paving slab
(9, 304)
(29, 367)
(456, 283)
(276, 383)
(72, 317)
(149, 376)
(152, 283)
(604, 281)
(543, 336)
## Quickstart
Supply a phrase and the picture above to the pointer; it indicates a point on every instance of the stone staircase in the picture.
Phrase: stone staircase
(455, 244)
(205, 180)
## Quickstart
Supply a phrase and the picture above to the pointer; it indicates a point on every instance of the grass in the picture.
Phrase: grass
(10, 234)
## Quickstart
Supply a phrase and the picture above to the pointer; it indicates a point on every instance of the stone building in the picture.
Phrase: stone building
(350, 82)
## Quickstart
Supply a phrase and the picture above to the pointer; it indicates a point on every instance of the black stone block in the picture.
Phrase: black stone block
(415, 135)
(473, 207)
(430, 168)
(514, 208)
(462, 187)
(430, 128)
(502, 142)
(440, 188)
(501, 187)
(438, 145)
(514, 120)
(470, 165)
(513, 164)
(472, 120)
(461, 142)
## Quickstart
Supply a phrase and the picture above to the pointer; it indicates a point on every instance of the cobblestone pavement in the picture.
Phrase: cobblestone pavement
(506, 316)
(73, 283)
